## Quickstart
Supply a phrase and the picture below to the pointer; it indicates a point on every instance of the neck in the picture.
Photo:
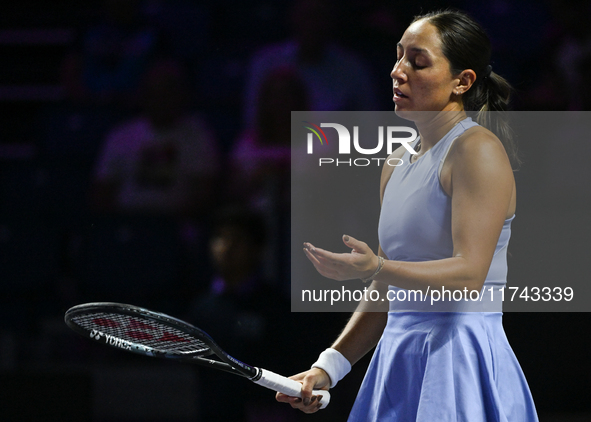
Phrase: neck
(432, 129)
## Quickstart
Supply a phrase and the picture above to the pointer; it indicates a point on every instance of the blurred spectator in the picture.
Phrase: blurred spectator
(183, 26)
(260, 157)
(574, 52)
(335, 78)
(245, 315)
(519, 32)
(165, 161)
(116, 51)
(372, 28)
(75, 127)
(567, 52)
(70, 133)
(261, 165)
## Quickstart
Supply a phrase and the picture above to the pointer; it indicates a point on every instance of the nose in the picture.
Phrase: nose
(397, 72)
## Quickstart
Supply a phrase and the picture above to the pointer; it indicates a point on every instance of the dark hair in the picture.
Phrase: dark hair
(466, 46)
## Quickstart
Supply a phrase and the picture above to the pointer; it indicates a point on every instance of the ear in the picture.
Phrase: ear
(465, 79)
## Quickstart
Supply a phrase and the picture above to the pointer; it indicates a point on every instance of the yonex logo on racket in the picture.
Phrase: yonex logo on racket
(95, 335)
(111, 340)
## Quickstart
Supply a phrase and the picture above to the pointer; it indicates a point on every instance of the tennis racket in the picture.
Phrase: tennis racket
(154, 334)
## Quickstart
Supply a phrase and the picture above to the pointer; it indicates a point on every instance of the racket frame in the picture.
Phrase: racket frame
(228, 364)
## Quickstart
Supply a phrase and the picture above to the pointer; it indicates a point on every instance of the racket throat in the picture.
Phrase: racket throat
(258, 375)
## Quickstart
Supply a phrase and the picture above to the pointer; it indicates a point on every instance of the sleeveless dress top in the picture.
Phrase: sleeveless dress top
(447, 360)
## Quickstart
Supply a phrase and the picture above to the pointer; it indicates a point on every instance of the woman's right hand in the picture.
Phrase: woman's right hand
(313, 379)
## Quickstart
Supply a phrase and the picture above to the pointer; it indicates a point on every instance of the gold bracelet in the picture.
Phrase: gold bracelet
(381, 261)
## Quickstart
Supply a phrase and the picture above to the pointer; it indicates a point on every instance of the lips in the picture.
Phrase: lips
(398, 95)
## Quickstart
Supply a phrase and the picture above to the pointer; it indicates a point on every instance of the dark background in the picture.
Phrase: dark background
(53, 244)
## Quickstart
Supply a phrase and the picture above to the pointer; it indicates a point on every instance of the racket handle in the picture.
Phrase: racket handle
(288, 386)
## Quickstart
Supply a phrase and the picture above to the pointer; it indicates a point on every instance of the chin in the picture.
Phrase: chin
(416, 116)
(407, 114)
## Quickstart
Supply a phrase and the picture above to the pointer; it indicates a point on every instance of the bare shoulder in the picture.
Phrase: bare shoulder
(388, 168)
(478, 145)
(476, 157)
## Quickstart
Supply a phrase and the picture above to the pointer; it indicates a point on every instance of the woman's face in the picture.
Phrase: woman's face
(422, 79)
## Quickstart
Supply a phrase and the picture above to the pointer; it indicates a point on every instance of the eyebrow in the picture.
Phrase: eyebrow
(415, 49)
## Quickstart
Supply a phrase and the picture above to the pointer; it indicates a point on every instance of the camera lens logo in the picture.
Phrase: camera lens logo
(323, 139)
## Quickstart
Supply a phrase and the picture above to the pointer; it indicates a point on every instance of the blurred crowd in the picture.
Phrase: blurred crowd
(160, 175)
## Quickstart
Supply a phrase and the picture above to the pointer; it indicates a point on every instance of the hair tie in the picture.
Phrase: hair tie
(487, 72)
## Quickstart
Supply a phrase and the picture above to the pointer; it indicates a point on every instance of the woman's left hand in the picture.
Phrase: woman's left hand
(361, 262)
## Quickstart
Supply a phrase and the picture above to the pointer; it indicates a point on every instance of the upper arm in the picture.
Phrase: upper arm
(482, 188)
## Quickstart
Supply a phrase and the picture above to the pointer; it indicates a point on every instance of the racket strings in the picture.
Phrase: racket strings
(146, 333)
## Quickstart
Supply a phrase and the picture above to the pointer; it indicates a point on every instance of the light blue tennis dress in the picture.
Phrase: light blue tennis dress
(450, 360)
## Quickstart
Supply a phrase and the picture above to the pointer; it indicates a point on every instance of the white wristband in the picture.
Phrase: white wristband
(334, 364)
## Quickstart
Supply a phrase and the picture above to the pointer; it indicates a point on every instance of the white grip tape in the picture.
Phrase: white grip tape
(288, 386)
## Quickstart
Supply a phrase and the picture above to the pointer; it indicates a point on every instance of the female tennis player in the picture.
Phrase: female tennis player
(444, 225)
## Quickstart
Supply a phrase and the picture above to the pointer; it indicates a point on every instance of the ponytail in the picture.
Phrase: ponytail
(466, 46)
(490, 99)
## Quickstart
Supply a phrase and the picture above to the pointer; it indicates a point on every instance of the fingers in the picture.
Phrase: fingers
(308, 403)
(314, 402)
(357, 245)
(322, 254)
(342, 266)
(325, 268)
(307, 386)
(326, 259)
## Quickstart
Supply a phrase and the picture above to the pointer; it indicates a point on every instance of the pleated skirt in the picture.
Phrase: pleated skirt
(437, 366)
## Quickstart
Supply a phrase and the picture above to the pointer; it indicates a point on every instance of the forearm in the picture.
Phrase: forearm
(454, 273)
(364, 329)
(361, 334)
